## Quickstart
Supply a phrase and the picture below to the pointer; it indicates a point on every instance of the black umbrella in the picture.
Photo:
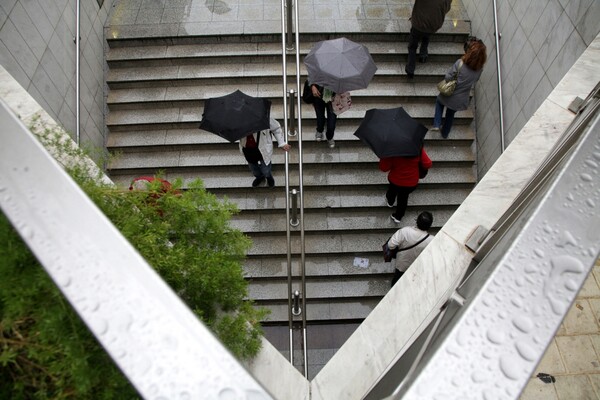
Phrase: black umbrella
(235, 115)
(391, 133)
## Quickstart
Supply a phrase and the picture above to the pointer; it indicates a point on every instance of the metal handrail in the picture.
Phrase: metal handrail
(497, 37)
(301, 188)
(287, 183)
(78, 73)
(529, 279)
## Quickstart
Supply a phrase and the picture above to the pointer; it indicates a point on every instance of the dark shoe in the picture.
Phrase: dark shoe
(271, 182)
(396, 220)
(423, 59)
(410, 75)
(257, 181)
(388, 203)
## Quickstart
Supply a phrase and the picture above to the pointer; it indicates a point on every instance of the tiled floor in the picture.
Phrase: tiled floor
(201, 17)
(573, 358)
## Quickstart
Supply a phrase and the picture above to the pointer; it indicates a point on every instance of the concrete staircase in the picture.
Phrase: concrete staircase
(155, 100)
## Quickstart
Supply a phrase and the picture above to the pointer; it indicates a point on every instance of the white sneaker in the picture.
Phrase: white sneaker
(319, 136)
(331, 143)
(435, 128)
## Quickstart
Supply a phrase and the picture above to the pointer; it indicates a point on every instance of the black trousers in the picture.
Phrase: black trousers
(399, 193)
(414, 38)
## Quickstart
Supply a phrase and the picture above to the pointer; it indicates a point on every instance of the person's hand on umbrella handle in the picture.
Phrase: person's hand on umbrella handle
(286, 147)
(315, 91)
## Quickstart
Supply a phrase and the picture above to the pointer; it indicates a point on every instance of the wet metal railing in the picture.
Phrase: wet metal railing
(497, 37)
(289, 13)
(525, 282)
(142, 324)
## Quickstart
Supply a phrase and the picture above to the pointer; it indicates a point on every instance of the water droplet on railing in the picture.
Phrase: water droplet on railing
(586, 177)
(526, 351)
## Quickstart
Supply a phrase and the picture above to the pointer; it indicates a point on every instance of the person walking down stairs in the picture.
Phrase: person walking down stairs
(427, 18)
(322, 103)
(410, 242)
(403, 178)
(257, 148)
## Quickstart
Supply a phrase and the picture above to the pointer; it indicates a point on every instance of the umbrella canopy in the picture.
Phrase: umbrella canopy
(340, 65)
(235, 115)
(391, 133)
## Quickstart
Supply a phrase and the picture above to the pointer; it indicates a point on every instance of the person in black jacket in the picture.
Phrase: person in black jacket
(427, 18)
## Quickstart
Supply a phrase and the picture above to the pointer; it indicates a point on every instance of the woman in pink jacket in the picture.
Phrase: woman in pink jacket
(403, 178)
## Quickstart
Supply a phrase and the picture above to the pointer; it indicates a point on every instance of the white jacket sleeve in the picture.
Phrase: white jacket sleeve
(277, 132)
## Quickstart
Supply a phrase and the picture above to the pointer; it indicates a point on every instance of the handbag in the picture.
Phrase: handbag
(341, 102)
(445, 87)
(307, 95)
(388, 253)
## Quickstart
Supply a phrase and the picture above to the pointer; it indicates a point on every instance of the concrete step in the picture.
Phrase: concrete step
(332, 175)
(339, 219)
(313, 152)
(121, 140)
(456, 28)
(171, 116)
(349, 287)
(359, 197)
(324, 310)
(120, 98)
(172, 54)
(169, 75)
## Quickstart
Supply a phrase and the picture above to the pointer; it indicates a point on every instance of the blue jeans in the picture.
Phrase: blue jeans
(320, 107)
(437, 119)
(260, 169)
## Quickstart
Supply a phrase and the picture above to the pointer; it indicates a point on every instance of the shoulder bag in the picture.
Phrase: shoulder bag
(445, 87)
(388, 253)
(307, 95)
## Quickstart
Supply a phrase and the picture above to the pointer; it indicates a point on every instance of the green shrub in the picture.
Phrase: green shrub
(45, 350)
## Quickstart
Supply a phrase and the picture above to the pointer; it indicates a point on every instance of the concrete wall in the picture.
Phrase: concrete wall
(37, 47)
(541, 39)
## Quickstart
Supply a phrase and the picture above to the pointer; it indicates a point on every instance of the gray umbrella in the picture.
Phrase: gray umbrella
(340, 65)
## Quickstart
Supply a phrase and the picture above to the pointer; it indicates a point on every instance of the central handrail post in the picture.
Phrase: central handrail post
(294, 219)
(292, 113)
(301, 187)
(287, 175)
(289, 25)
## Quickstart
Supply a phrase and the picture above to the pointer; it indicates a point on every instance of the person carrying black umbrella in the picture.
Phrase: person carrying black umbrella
(257, 148)
(403, 178)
